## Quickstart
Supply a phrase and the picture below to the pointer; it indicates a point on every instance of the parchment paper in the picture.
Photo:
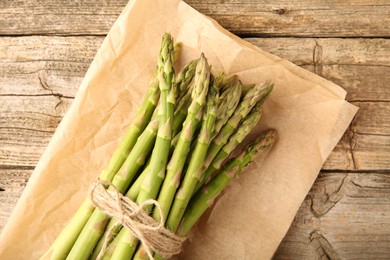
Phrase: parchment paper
(249, 221)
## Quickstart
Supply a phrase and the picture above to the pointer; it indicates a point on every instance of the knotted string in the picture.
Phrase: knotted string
(152, 234)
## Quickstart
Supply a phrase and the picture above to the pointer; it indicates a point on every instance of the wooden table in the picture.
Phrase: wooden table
(47, 46)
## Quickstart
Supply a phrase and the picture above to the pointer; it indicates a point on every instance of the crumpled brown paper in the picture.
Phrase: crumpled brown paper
(251, 218)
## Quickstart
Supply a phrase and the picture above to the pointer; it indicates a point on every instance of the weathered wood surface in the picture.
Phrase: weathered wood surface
(310, 18)
(346, 214)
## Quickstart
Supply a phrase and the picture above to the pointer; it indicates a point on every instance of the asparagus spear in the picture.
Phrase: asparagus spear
(183, 99)
(204, 198)
(132, 193)
(65, 240)
(238, 136)
(247, 88)
(230, 98)
(194, 170)
(176, 164)
(227, 104)
(181, 113)
(152, 182)
(226, 82)
(95, 226)
(138, 125)
(184, 78)
(257, 95)
(175, 167)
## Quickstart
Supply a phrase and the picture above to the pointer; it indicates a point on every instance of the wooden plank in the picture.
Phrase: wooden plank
(360, 66)
(330, 51)
(12, 183)
(362, 82)
(366, 143)
(33, 64)
(345, 216)
(26, 126)
(299, 18)
(42, 17)
(307, 18)
(45, 65)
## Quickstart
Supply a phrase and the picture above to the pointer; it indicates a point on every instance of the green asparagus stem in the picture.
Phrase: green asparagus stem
(152, 182)
(230, 98)
(246, 89)
(184, 78)
(183, 99)
(226, 82)
(238, 136)
(132, 193)
(66, 239)
(141, 254)
(204, 198)
(176, 164)
(178, 159)
(181, 113)
(194, 170)
(257, 95)
(138, 125)
(95, 226)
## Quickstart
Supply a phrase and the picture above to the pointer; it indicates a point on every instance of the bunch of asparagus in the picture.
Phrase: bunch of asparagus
(178, 151)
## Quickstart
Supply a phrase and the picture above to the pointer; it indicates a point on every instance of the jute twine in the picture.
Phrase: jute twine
(152, 234)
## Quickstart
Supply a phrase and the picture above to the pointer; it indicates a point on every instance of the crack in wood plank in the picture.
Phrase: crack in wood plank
(44, 85)
(352, 144)
(323, 202)
(378, 171)
(36, 95)
(322, 246)
(357, 184)
(28, 129)
(374, 134)
(16, 167)
(43, 82)
(317, 58)
(367, 101)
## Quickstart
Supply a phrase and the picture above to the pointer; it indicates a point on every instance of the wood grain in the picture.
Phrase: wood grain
(360, 66)
(26, 126)
(308, 18)
(12, 183)
(345, 216)
(367, 140)
(32, 66)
